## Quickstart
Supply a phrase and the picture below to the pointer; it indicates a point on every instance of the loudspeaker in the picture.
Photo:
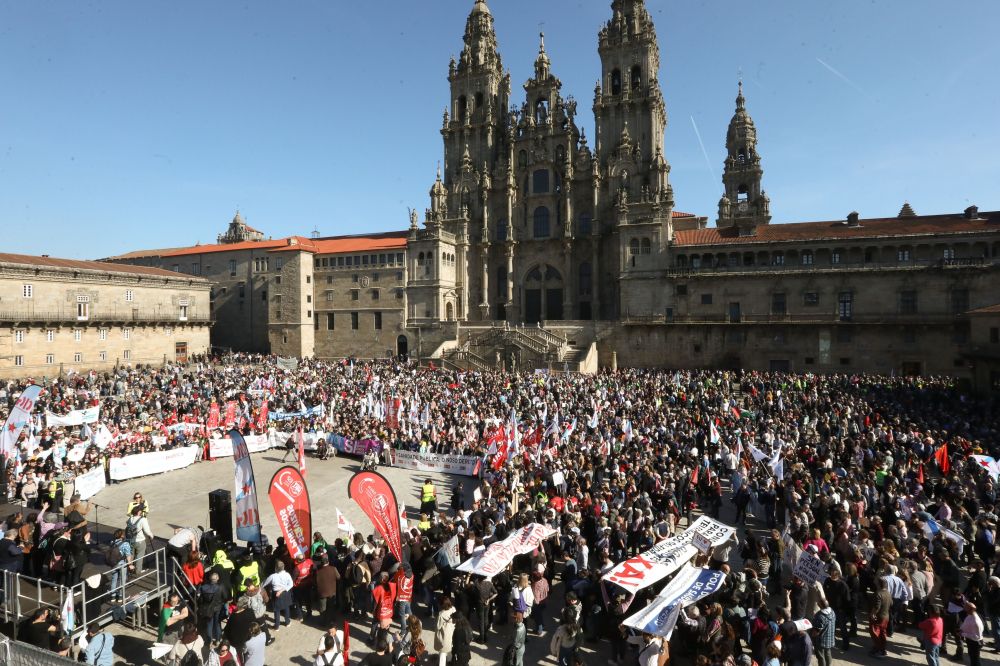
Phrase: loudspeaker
(220, 514)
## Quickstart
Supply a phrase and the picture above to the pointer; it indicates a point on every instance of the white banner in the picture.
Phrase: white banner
(89, 484)
(74, 418)
(666, 557)
(436, 462)
(222, 447)
(143, 464)
(19, 417)
(687, 587)
(452, 551)
(500, 554)
(277, 439)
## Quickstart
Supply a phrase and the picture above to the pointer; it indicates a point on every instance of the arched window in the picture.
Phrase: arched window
(479, 100)
(541, 220)
(741, 157)
(560, 153)
(586, 279)
(501, 230)
(616, 82)
(585, 226)
(633, 247)
(522, 158)
(463, 105)
(420, 259)
(636, 77)
(540, 181)
(742, 193)
(645, 246)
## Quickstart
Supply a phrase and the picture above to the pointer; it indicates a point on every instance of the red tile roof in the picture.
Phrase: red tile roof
(924, 225)
(988, 310)
(142, 254)
(225, 247)
(31, 260)
(678, 213)
(391, 240)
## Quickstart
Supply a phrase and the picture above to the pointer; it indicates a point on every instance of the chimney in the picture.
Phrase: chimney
(972, 213)
(853, 219)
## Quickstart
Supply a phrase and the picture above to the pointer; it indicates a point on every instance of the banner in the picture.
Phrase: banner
(810, 569)
(452, 551)
(19, 417)
(689, 586)
(155, 462)
(377, 499)
(73, 418)
(318, 410)
(89, 484)
(247, 513)
(214, 419)
(496, 558)
(666, 557)
(353, 447)
(288, 364)
(230, 420)
(279, 439)
(222, 447)
(290, 500)
(435, 462)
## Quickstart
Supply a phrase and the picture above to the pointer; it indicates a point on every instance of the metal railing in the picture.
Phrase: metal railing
(935, 317)
(23, 595)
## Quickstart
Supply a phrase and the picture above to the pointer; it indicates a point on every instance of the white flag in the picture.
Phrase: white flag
(344, 525)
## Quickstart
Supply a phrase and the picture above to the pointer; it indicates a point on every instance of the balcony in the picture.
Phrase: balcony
(800, 318)
(966, 262)
(69, 317)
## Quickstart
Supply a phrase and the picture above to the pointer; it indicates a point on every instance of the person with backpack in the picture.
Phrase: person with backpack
(521, 597)
(331, 651)
(100, 647)
(139, 536)
(188, 649)
(119, 558)
(211, 599)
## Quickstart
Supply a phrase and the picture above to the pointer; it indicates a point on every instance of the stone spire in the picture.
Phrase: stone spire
(907, 210)
(744, 204)
(542, 62)
(480, 51)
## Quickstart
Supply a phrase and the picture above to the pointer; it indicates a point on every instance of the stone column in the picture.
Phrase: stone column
(614, 361)
(567, 280)
(509, 306)
(484, 303)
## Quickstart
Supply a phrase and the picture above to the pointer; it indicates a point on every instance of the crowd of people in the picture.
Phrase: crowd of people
(873, 475)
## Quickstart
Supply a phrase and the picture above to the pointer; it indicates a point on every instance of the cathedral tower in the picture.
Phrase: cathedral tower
(744, 205)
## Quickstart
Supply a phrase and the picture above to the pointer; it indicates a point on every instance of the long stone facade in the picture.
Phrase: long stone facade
(58, 315)
(543, 249)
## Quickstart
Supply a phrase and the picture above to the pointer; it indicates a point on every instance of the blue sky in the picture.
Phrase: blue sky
(128, 125)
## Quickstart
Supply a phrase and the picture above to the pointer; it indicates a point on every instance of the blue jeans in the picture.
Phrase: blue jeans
(403, 611)
(119, 576)
(213, 626)
(933, 654)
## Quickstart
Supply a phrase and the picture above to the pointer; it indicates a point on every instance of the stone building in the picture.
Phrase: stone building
(540, 250)
(327, 297)
(62, 314)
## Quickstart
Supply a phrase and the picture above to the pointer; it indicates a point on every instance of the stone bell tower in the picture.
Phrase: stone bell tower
(744, 205)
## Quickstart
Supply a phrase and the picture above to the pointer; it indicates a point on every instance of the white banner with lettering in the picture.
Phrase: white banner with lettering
(496, 558)
(222, 447)
(143, 464)
(436, 462)
(277, 439)
(89, 484)
(687, 587)
(666, 557)
(74, 418)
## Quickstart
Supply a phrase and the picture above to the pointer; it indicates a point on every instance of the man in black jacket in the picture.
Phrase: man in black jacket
(839, 595)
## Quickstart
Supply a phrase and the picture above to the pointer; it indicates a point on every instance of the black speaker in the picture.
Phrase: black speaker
(220, 514)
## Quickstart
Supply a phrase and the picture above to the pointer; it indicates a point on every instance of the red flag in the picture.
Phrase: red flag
(920, 474)
(501, 455)
(694, 476)
(230, 420)
(290, 500)
(941, 455)
(213, 416)
(302, 454)
(377, 499)
(262, 417)
(736, 412)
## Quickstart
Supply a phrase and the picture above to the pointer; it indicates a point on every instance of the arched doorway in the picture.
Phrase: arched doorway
(402, 347)
(449, 310)
(543, 294)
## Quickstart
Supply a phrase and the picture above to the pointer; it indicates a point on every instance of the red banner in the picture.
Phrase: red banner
(213, 416)
(230, 414)
(290, 500)
(377, 499)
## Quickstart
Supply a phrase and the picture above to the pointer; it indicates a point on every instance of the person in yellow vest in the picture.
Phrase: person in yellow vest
(425, 522)
(428, 498)
(248, 573)
(138, 501)
(55, 489)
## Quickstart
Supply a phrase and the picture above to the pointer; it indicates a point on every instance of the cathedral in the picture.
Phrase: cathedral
(530, 223)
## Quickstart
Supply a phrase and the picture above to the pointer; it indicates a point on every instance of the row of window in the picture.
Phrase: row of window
(50, 359)
(376, 294)
(374, 277)
(389, 259)
(28, 291)
(907, 300)
(50, 335)
(806, 258)
(331, 321)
